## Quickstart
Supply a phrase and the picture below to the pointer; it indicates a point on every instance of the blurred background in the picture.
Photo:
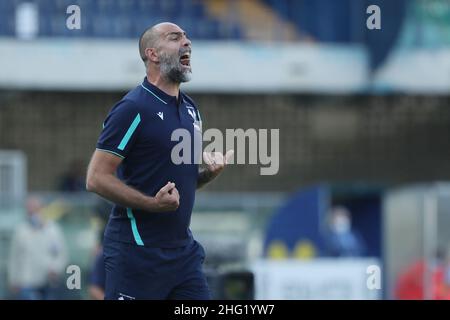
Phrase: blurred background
(360, 207)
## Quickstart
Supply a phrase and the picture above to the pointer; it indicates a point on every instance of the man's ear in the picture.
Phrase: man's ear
(151, 55)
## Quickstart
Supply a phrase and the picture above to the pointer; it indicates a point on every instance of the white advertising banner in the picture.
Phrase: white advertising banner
(222, 67)
(94, 64)
(318, 279)
(417, 70)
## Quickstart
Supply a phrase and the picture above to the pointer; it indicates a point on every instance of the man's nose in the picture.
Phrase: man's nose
(187, 42)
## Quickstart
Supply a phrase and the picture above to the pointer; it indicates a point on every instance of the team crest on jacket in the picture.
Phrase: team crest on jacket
(191, 111)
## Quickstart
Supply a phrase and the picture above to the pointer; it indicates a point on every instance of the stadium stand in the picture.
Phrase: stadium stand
(120, 18)
(258, 20)
(324, 21)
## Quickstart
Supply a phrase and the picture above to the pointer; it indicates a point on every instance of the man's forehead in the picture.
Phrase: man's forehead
(168, 29)
(174, 33)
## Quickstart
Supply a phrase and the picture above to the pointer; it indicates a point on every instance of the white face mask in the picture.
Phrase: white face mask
(341, 225)
(35, 221)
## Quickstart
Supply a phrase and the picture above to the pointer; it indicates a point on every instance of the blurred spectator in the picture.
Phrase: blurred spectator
(341, 240)
(74, 180)
(97, 278)
(37, 256)
(410, 283)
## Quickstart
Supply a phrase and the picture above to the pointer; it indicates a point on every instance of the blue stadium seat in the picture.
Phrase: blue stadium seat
(122, 26)
(7, 27)
(119, 18)
(127, 7)
(229, 31)
(45, 7)
(206, 29)
(105, 7)
(149, 7)
(323, 20)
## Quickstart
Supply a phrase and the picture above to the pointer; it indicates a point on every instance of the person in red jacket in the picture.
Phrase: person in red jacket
(410, 283)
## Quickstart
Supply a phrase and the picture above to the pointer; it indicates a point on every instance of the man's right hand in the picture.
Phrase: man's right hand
(102, 180)
(167, 198)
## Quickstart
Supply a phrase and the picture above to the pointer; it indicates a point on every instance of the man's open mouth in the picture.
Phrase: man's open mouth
(185, 59)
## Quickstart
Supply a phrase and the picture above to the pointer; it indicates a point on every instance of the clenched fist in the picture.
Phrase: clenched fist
(167, 198)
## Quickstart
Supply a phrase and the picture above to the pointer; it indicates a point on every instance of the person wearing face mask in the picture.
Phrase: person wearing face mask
(38, 256)
(341, 240)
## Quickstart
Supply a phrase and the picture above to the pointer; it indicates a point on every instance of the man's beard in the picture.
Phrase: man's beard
(172, 69)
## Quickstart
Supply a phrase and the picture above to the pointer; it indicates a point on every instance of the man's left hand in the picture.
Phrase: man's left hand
(216, 161)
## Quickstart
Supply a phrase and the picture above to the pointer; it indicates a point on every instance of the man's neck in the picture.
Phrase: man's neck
(171, 88)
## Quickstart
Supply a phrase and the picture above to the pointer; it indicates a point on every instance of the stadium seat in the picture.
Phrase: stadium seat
(120, 18)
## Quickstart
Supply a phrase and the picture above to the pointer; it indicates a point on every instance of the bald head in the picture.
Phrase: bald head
(151, 36)
(166, 52)
(148, 39)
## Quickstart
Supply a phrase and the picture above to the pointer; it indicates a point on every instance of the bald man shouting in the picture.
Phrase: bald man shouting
(149, 250)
